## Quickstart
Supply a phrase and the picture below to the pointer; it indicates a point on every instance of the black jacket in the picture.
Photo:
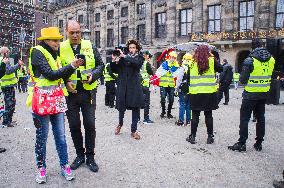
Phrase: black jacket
(2, 69)
(129, 89)
(226, 75)
(40, 65)
(262, 55)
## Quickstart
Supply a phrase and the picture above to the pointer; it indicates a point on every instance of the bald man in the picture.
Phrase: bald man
(82, 93)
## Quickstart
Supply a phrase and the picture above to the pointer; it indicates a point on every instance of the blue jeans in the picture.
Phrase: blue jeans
(42, 127)
(184, 107)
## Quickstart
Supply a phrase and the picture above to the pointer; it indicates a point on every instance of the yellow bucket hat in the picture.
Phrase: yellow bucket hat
(187, 56)
(50, 33)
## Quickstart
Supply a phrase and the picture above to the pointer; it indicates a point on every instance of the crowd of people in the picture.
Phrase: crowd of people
(67, 72)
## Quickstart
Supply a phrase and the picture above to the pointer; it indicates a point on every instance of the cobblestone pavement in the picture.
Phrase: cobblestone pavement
(162, 158)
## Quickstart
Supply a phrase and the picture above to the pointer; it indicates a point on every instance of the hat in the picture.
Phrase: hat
(50, 33)
(173, 54)
(148, 53)
(187, 56)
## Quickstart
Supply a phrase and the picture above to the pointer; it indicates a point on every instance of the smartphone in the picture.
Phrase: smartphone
(81, 56)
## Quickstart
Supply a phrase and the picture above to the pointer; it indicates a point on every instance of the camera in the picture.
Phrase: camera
(123, 48)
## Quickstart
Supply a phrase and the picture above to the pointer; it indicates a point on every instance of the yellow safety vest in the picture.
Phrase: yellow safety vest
(42, 82)
(106, 74)
(145, 75)
(167, 80)
(236, 77)
(260, 78)
(20, 73)
(8, 79)
(67, 56)
(205, 83)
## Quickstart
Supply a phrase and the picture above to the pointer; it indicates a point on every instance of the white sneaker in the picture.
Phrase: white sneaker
(67, 173)
(41, 176)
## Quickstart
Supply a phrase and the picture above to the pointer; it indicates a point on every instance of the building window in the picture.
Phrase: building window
(246, 15)
(141, 9)
(124, 35)
(98, 17)
(60, 24)
(161, 25)
(141, 33)
(280, 14)
(124, 11)
(81, 19)
(110, 14)
(98, 39)
(214, 19)
(185, 21)
(44, 19)
(110, 38)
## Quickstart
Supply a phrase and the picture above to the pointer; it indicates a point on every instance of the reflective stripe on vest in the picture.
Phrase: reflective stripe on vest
(8, 79)
(205, 83)
(67, 56)
(145, 75)
(260, 77)
(167, 80)
(236, 77)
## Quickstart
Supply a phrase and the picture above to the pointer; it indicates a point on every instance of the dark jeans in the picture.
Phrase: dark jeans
(135, 116)
(110, 93)
(167, 92)
(10, 103)
(184, 107)
(146, 92)
(223, 89)
(258, 107)
(195, 121)
(42, 128)
(83, 101)
(22, 85)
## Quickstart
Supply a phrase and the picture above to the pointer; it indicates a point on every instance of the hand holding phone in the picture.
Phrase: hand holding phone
(82, 57)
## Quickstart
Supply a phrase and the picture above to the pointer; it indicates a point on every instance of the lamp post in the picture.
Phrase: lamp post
(86, 34)
(117, 5)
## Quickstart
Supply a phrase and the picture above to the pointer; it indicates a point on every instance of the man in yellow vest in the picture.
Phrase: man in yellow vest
(8, 84)
(146, 71)
(22, 79)
(236, 77)
(109, 78)
(82, 93)
(256, 75)
(167, 83)
(3, 62)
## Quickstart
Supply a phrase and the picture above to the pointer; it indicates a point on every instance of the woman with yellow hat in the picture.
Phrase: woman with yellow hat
(46, 71)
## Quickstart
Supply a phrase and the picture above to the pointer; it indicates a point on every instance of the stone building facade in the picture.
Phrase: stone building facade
(159, 24)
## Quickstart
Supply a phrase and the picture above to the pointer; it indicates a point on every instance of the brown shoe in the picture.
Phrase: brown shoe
(10, 125)
(117, 130)
(135, 135)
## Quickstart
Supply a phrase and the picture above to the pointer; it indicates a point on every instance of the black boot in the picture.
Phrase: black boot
(191, 139)
(79, 160)
(210, 139)
(91, 163)
(169, 113)
(257, 146)
(163, 110)
(238, 146)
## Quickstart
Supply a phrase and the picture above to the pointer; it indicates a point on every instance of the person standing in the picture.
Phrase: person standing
(203, 90)
(256, 75)
(236, 77)
(129, 90)
(81, 87)
(110, 79)
(226, 77)
(22, 81)
(8, 84)
(46, 72)
(146, 72)
(3, 61)
(182, 87)
(167, 83)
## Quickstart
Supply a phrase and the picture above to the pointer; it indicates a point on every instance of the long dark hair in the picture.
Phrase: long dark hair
(201, 56)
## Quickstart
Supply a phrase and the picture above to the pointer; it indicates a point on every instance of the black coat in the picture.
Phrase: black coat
(129, 90)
